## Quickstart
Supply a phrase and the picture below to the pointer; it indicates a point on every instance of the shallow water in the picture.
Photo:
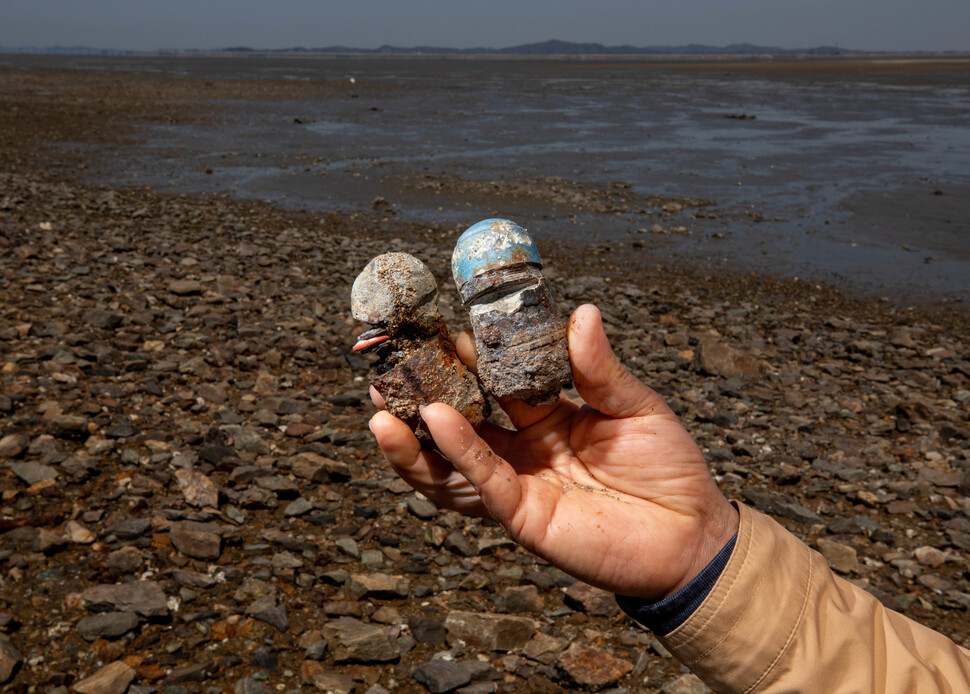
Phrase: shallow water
(861, 178)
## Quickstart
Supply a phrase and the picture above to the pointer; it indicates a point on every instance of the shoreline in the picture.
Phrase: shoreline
(180, 409)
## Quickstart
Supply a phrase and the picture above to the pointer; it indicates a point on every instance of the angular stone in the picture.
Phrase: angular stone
(544, 648)
(456, 542)
(13, 445)
(930, 556)
(196, 540)
(78, 534)
(719, 359)
(274, 616)
(185, 287)
(193, 672)
(378, 586)
(33, 473)
(246, 439)
(10, 659)
(126, 560)
(592, 668)
(421, 507)
(297, 507)
(113, 678)
(489, 632)
(840, 557)
(197, 489)
(65, 426)
(686, 684)
(440, 675)
(142, 597)
(193, 579)
(48, 542)
(353, 641)
(109, 625)
(427, 630)
(128, 528)
(318, 469)
(519, 599)
(105, 320)
(283, 487)
(592, 601)
(332, 683)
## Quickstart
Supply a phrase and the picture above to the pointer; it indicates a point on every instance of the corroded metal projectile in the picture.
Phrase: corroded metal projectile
(520, 333)
(417, 364)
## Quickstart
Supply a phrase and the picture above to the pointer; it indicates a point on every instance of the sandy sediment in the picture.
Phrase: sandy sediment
(191, 498)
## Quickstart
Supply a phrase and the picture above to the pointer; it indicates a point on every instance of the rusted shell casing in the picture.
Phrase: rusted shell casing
(519, 330)
(417, 361)
(431, 373)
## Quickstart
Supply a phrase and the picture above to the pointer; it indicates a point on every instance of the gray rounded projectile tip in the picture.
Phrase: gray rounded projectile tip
(391, 286)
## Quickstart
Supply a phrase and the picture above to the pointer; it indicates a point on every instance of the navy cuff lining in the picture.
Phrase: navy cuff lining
(666, 615)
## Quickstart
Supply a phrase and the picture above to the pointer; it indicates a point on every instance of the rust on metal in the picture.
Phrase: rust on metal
(416, 360)
(519, 330)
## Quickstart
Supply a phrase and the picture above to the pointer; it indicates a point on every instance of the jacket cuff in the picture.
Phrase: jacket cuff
(666, 615)
(747, 622)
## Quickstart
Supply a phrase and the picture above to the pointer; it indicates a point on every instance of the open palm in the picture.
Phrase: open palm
(614, 492)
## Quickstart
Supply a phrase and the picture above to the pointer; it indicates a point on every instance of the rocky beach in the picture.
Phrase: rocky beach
(192, 501)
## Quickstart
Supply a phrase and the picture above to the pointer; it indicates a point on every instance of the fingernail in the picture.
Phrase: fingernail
(370, 424)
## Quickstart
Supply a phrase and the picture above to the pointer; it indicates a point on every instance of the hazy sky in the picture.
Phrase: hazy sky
(141, 24)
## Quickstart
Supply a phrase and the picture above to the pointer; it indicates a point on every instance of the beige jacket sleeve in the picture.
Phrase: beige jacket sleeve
(779, 620)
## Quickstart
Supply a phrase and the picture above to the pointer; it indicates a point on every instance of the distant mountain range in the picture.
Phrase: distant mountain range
(552, 47)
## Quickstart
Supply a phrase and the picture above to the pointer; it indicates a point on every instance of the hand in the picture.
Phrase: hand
(614, 492)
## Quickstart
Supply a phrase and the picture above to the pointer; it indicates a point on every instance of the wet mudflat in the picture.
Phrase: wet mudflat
(847, 171)
(191, 500)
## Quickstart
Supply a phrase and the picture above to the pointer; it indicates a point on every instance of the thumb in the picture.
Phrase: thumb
(601, 380)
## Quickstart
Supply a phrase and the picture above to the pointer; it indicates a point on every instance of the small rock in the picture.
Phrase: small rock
(13, 445)
(196, 540)
(490, 632)
(128, 529)
(353, 641)
(318, 469)
(930, 556)
(197, 489)
(274, 616)
(440, 675)
(332, 683)
(686, 684)
(110, 625)
(840, 557)
(33, 473)
(10, 659)
(593, 601)
(719, 359)
(592, 668)
(142, 597)
(297, 507)
(78, 534)
(48, 542)
(126, 560)
(185, 287)
(520, 599)
(113, 678)
(378, 586)
(421, 507)
(105, 320)
(68, 427)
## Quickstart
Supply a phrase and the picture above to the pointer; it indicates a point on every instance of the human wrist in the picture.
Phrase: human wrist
(719, 527)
